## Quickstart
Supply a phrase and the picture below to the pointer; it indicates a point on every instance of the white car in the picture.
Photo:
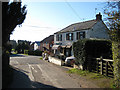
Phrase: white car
(70, 60)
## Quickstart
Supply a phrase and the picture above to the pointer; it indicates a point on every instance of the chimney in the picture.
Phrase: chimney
(99, 17)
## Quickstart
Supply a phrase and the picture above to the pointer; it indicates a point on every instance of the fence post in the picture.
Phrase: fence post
(106, 68)
(101, 59)
(97, 66)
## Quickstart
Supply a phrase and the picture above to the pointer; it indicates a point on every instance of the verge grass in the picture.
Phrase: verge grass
(98, 79)
(41, 58)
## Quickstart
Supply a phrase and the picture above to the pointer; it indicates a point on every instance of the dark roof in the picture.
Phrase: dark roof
(79, 26)
(38, 43)
(48, 39)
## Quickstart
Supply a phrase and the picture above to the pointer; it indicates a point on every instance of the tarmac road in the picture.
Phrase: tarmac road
(32, 72)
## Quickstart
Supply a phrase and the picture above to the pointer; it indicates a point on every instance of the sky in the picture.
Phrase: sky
(46, 18)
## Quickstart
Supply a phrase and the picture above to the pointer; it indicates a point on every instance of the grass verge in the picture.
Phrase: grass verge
(41, 58)
(98, 79)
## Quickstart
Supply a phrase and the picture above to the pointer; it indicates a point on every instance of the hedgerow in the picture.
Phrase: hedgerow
(91, 48)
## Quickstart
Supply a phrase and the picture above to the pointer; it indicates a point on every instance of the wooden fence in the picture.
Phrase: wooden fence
(104, 66)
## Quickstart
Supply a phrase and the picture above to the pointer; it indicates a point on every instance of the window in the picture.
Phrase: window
(69, 36)
(59, 37)
(80, 35)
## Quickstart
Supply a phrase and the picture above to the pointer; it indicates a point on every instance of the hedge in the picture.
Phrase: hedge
(36, 52)
(91, 48)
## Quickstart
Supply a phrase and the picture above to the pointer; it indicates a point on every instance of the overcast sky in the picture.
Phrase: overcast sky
(46, 18)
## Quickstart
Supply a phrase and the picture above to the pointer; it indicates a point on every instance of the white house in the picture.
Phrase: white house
(64, 38)
(36, 45)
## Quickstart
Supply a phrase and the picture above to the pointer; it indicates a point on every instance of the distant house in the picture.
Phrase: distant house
(64, 38)
(36, 45)
(47, 43)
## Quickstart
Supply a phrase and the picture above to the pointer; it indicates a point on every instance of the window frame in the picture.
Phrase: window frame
(80, 35)
(59, 37)
(69, 36)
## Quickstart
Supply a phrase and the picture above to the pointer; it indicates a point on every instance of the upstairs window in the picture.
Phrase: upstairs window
(59, 37)
(80, 35)
(69, 36)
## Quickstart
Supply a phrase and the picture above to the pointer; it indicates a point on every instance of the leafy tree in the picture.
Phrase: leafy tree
(13, 14)
(18, 48)
(113, 21)
(22, 46)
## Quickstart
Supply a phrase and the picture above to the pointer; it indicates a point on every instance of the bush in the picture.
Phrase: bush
(87, 48)
(36, 52)
(25, 51)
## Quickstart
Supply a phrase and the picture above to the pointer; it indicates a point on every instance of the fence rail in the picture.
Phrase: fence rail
(104, 66)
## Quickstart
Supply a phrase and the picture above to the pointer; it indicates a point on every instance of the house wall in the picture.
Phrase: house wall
(98, 31)
(46, 45)
(67, 42)
(41, 46)
(35, 46)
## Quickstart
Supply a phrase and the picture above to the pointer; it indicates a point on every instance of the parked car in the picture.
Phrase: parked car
(69, 61)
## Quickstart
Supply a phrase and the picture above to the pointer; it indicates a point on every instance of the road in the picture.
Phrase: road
(32, 72)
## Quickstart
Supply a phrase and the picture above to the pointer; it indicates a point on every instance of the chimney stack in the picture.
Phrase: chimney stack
(99, 17)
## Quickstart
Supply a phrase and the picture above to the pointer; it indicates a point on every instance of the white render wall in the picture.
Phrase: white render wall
(98, 31)
(67, 42)
(35, 46)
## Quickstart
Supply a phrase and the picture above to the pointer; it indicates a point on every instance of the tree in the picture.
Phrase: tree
(113, 17)
(13, 14)
(21, 47)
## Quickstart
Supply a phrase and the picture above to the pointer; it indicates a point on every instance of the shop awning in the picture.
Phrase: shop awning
(55, 46)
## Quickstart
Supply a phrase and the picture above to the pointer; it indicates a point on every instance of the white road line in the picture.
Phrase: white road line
(33, 69)
(31, 76)
(48, 78)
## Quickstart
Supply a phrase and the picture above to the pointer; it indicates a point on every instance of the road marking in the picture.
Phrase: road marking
(48, 78)
(31, 76)
(33, 69)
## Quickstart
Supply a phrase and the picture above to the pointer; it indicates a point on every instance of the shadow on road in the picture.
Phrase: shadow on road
(16, 55)
(21, 80)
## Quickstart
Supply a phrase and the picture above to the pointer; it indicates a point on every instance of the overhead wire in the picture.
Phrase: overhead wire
(74, 10)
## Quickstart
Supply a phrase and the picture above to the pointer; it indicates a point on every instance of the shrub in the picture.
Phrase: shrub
(36, 52)
(87, 48)
(25, 51)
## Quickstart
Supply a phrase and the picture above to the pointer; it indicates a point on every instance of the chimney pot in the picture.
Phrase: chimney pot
(99, 16)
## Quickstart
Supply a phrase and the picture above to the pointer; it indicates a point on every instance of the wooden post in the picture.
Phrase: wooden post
(101, 59)
(97, 66)
(106, 68)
